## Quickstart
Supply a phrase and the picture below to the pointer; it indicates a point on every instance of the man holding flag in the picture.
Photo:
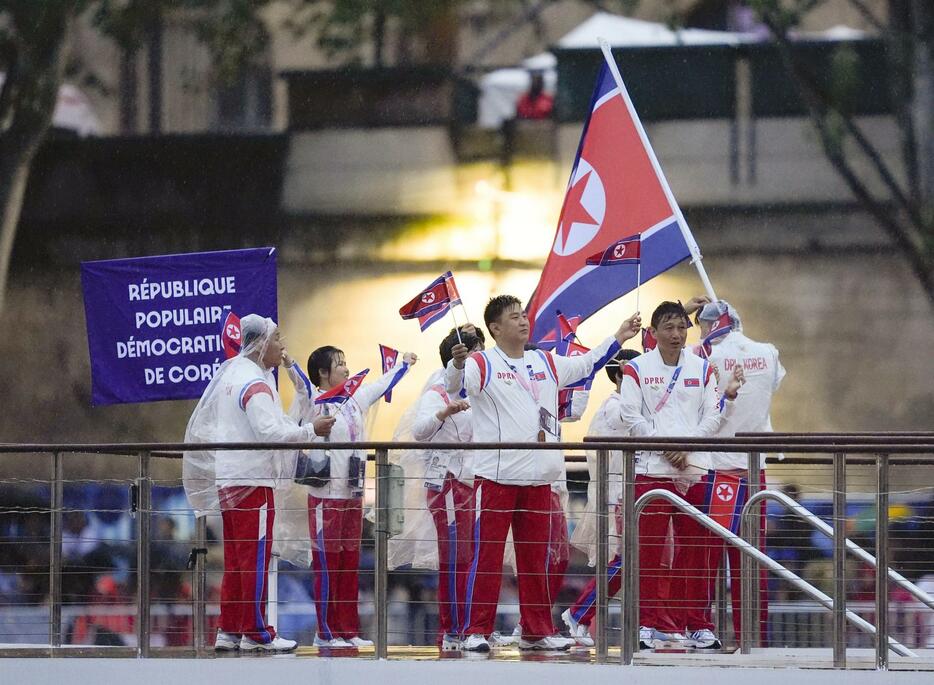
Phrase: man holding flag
(513, 393)
(725, 345)
(669, 391)
(618, 212)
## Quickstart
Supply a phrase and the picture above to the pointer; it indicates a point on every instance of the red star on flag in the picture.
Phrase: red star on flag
(574, 211)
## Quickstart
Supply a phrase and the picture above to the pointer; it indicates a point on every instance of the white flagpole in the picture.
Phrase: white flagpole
(696, 258)
(638, 278)
(456, 327)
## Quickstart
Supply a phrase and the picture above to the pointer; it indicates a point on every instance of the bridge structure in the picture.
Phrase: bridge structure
(874, 641)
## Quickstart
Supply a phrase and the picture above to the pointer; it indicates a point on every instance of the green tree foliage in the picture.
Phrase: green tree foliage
(905, 206)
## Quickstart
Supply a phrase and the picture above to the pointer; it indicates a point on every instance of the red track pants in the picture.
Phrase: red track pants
(336, 526)
(248, 513)
(452, 508)
(672, 599)
(528, 509)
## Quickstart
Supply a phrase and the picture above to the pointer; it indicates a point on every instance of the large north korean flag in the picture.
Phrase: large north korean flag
(616, 190)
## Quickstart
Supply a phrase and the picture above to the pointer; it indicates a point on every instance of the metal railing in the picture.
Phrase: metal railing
(882, 450)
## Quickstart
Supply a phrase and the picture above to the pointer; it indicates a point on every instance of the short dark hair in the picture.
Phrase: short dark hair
(614, 369)
(322, 358)
(450, 340)
(496, 306)
(667, 310)
(475, 331)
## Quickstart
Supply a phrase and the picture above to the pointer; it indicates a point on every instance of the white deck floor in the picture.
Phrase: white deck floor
(416, 665)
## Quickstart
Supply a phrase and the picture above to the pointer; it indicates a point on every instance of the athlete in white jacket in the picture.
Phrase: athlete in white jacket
(448, 488)
(514, 395)
(605, 424)
(670, 391)
(763, 373)
(241, 404)
(335, 509)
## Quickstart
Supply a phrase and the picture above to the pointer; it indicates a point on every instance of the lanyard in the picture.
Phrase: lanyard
(530, 385)
(674, 379)
(348, 416)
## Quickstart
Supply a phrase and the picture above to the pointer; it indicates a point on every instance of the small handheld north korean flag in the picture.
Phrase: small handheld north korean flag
(565, 402)
(230, 336)
(574, 349)
(724, 499)
(648, 340)
(566, 330)
(453, 295)
(625, 251)
(430, 304)
(567, 333)
(389, 358)
(721, 328)
(343, 392)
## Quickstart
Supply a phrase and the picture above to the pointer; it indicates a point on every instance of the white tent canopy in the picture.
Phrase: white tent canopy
(625, 32)
(500, 90)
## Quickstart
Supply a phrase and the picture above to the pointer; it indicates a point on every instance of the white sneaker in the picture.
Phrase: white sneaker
(475, 643)
(657, 639)
(357, 641)
(705, 639)
(675, 640)
(497, 639)
(278, 644)
(334, 643)
(580, 633)
(552, 643)
(450, 643)
(649, 638)
(226, 642)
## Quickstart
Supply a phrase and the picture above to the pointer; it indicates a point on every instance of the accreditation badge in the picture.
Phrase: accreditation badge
(547, 424)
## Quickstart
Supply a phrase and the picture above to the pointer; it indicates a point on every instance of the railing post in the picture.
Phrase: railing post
(630, 561)
(381, 573)
(882, 562)
(603, 540)
(143, 521)
(55, 551)
(839, 560)
(749, 569)
(199, 584)
(721, 597)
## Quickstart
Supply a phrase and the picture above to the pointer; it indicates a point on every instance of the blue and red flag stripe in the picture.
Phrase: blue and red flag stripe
(625, 251)
(400, 372)
(615, 192)
(388, 357)
(430, 299)
(453, 295)
(425, 320)
(343, 392)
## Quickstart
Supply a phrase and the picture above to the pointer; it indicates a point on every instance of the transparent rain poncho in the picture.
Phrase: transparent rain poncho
(293, 541)
(417, 545)
(216, 420)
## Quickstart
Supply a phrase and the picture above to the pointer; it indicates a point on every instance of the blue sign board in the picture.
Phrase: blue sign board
(154, 323)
